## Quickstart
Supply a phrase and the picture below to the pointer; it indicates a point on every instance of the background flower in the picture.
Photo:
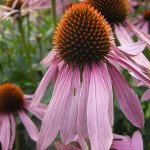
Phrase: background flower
(13, 102)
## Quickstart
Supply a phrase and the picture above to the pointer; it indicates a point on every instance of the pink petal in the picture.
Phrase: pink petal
(38, 111)
(39, 93)
(145, 27)
(108, 84)
(61, 146)
(121, 142)
(82, 105)
(13, 131)
(133, 48)
(26, 96)
(123, 61)
(141, 60)
(99, 129)
(122, 35)
(121, 145)
(83, 143)
(5, 132)
(29, 125)
(137, 141)
(127, 99)
(47, 61)
(146, 95)
(68, 129)
(141, 35)
(56, 111)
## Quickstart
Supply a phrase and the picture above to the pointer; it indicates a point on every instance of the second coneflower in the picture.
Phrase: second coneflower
(13, 102)
(82, 100)
(116, 13)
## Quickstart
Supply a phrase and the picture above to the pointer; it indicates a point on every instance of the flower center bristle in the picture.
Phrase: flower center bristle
(115, 11)
(11, 98)
(82, 36)
(147, 15)
(10, 3)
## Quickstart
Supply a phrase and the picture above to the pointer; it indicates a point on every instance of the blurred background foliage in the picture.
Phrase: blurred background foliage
(24, 42)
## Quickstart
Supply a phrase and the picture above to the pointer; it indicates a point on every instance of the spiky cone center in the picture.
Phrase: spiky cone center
(10, 3)
(115, 11)
(11, 98)
(147, 15)
(82, 36)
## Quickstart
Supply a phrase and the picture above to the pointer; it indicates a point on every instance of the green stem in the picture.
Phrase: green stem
(40, 47)
(26, 50)
(140, 6)
(54, 12)
(28, 21)
(17, 140)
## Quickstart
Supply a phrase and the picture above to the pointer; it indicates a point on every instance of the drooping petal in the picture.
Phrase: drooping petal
(141, 60)
(141, 35)
(13, 131)
(126, 97)
(68, 129)
(38, 111)
(137, 141)
(146, 95)
(54, 116)
(5, 132)
(133, 48)
(82, 106)
(98, 124)
(47, 61)
(145, 27)
(124, 62)
(61, 146)
(108, 84)
(122, 35)
(44, 84)
(83, 143)
(29, 125)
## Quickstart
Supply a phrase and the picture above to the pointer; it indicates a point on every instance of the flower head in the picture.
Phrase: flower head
(115, 11)
(72, 42)
(13, 101)
(11, 98)
(86, 108)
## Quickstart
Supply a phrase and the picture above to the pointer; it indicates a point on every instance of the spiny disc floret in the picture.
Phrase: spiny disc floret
(11, 98)
(115, 11)
(82, 36)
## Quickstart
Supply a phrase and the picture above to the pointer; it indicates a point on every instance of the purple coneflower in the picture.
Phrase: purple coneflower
(82, 100)
(116, 12)
(17, 8)
(14, 102)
